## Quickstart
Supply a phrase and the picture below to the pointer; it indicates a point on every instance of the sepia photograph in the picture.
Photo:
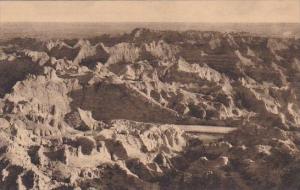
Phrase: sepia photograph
(150, 95)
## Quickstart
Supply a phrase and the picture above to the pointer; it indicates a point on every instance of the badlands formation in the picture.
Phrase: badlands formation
(132, 111)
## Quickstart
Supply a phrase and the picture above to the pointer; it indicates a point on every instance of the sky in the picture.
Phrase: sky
(241, 11)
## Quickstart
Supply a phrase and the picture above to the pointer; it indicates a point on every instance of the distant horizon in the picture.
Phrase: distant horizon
(58, 30)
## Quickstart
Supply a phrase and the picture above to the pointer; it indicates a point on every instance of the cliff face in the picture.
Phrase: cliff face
(109, 112)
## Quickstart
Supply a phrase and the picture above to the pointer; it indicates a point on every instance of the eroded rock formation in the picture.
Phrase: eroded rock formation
(103, 113)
